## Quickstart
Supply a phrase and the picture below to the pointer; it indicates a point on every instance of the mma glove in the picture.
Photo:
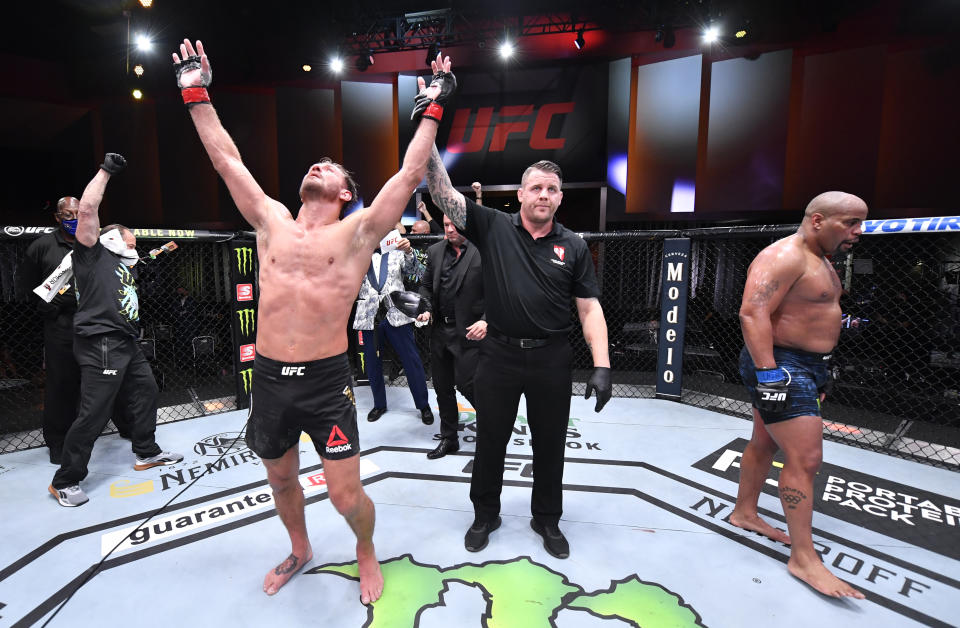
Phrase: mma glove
(772, 392)
(114, 163)
(432, 108)
(193, 94)
(600, 380)
(409, 303)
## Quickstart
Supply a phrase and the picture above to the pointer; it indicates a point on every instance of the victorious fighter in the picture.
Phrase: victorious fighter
(310, 272)
(790, 317)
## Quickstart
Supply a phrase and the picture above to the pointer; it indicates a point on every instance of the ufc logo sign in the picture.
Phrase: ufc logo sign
(510, 120)
(292, 370)
(780, 396)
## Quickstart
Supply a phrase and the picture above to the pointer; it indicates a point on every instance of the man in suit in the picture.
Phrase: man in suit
(453, 286)
(385, 275)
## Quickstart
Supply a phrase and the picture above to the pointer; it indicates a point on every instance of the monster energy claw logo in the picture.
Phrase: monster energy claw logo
(247, 375)
(248, 321)
(244, 259)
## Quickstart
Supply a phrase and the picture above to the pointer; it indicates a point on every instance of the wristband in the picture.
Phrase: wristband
(434, 111)
(768, 376)
(195, 96)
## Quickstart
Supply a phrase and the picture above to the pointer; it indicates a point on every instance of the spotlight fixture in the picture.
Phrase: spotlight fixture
(146, 4)
(740, 34)
(579, 42)
(138, 70)
(669, 37)
(658, 36)
(364, 61)
(711, 34)
(506, 50)
(306, 67)
(336, 65)
(137, 94)
(143, 43)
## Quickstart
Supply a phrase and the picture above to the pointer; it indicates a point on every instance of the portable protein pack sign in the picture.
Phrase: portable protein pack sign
(244, 324)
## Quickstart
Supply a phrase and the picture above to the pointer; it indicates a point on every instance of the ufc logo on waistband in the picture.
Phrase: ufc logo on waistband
(292, 370)
(780, 396)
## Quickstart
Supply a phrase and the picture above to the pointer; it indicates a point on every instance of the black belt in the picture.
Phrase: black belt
(448, 320)
(526, 343)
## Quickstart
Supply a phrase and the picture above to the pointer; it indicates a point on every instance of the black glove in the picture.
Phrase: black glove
(600, 380)
(192, 63)
(448, 84)
(113, 163)
(409, 303)
(772, 392)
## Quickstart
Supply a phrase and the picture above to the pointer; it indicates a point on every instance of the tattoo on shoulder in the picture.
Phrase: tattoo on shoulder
(765, 291)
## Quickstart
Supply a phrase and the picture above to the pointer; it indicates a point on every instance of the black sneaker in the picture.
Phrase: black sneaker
(553, 540)
(478, 535)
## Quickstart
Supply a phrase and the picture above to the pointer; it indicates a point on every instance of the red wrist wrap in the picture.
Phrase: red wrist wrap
(433, 111)
(195, 95)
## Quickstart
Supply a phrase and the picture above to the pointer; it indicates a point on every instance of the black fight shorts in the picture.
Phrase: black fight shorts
(313, 397)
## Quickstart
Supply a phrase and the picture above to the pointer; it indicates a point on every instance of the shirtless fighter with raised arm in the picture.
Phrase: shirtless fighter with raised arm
(310, 272)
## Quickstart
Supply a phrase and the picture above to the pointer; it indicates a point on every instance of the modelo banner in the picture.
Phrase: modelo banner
(499, 123)
(243, 273)
(673, 317)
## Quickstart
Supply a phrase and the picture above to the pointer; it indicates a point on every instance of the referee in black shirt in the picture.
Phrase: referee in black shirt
(533, 267)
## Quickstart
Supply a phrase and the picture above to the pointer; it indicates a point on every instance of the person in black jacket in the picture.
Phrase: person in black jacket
(453, 285)
(62, 386)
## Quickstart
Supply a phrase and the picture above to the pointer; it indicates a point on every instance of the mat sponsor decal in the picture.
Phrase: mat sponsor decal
(219, 444)
(919, 517)
(521, 431)
(543, 595)
(188, 521)
(126, 488)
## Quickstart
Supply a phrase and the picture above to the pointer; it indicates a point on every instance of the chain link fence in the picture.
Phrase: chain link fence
(185, 299)
(897, 364)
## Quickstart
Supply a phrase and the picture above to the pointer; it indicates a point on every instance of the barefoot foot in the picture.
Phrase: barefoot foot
(758, 525)
(820, 578)
(278, 576)
(371, 578)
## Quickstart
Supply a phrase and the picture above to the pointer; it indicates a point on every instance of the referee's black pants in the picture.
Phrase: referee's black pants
(543, 376)
(113, 371)
(62, 383)
(453, 364)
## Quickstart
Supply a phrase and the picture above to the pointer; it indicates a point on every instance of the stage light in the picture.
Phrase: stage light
(579, 42)
(143, 43)
(669, 37)
(432, 52)
(740, 34)
(506, 50)
(306, 67)
(711, 35)
(138, 70)
(364, 62)
(146, 4)
(336, 65)
(137, 94)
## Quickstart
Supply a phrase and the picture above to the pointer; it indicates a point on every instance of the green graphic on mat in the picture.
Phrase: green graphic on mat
(519, 593)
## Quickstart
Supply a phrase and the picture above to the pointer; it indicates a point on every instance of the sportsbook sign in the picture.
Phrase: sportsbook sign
(243, 273)
(903, 512)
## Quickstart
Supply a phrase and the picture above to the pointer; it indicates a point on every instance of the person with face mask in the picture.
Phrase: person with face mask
(62, 383)
(113, 370)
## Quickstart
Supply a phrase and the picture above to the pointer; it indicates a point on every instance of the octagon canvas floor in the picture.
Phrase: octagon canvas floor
(648, 487)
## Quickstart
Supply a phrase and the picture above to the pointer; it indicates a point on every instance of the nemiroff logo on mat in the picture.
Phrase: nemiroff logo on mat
(903, 512)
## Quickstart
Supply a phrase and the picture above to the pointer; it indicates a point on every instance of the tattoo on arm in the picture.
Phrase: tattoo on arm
(444, 195)
(791, 497)
(765, 291)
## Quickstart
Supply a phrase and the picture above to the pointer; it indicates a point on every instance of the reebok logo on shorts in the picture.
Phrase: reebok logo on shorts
(337, 442)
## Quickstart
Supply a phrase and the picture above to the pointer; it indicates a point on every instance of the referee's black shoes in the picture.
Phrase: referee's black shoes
(376, 413)
(478, 535)
(446, 446)
(553, 540)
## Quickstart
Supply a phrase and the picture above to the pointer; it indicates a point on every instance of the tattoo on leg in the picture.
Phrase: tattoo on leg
(287, 566)
(791, 497)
